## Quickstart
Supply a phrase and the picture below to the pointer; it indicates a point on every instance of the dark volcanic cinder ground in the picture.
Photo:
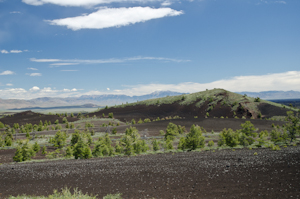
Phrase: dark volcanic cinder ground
(220, 174)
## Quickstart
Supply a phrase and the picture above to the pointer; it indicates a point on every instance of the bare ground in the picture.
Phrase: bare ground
(208, 174)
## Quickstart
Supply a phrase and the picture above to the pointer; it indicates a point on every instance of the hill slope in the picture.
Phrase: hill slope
(211, 103)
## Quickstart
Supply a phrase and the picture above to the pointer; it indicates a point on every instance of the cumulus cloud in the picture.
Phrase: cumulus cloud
(7, 72)
(32, 68)
(114, 17)
(86, 3)
(34, 74)
(35, 88)
(105, 61)
(166, 3)
(9, 84)
(4, 52)
(16, 51)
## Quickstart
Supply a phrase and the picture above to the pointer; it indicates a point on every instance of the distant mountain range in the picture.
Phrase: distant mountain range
(87, 100)
(103, 100)
(273, 95)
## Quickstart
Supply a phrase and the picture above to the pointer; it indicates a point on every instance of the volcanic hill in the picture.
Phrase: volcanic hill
(209, 103)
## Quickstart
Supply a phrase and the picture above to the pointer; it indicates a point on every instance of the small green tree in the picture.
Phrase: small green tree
(16, 126)
(118, 148)
(292, 125)
(79, 149)
(210, 143)
(171, 131)
(155, 145)
(181, 143)
(59, 139)
(110, 115)
(27, 152)
(194, 138)
(18, 155)
(133, 121)
(114, 131)
(56, 121)
(87, 153)
(75, 137)
(8, 141)
(140, 121)
(97, 151)
(44, 150)
(169, 144)
(36, 147)
(229, 138)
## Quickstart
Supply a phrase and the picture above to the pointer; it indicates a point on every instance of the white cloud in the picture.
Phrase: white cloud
(4, 51)
(166, 3)
(15, 12)
(114, 17)
(35, 88)
(9, 84)
(282, 2)
(74, 90)
(86, 3)
(16, 51)
(63, 64)
(44, 60)
(34, 74)
(7, 72)
(108, 89)
(105, 61)
(32, 68)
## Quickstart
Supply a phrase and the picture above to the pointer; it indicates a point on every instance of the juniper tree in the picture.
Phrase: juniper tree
(36, 147)
(194, 138)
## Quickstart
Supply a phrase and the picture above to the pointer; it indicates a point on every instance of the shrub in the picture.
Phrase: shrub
(1, 125)
(79, 149)
(169, 144)
(110, 115)
(36, 147)
(44, 150)
(279, 135)
(58, 127)
(229, 138)
(194, 138)
(75, 137)
(69, 152)
(293, 124)
(171, 131)
(18, 155)
(181, 143)
(59, 139)
(118, 148)
(257, 99)
(155, 145)
(65, 120)
(140, 121)
(210, 143)
(87, 153)
(56, 122)
(147, 120)
(8, 141)
(114, 131)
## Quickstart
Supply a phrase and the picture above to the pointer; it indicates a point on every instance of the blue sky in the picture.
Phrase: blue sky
(61, 48)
